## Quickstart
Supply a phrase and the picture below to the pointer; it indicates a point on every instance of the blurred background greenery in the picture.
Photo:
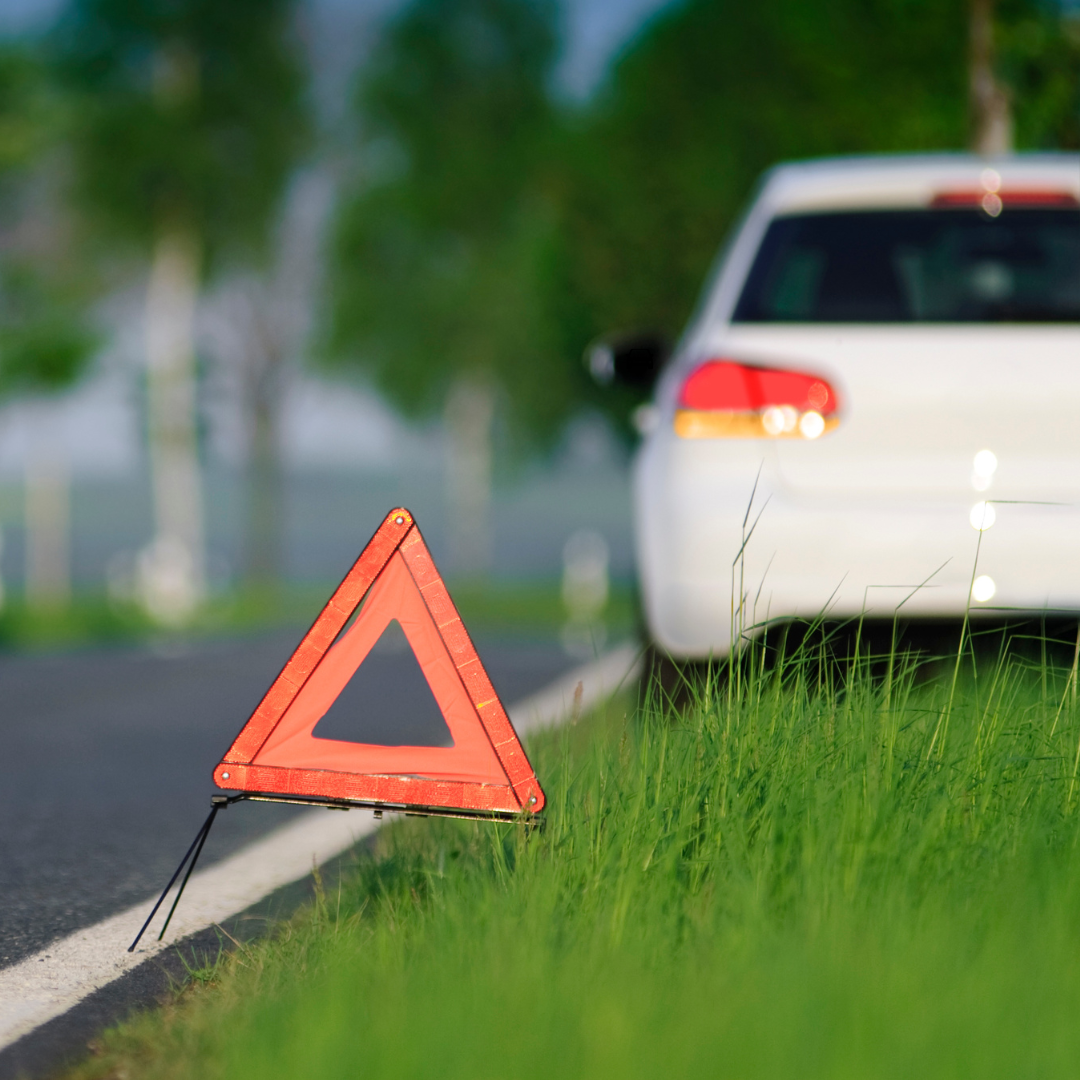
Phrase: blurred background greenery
(278, 265)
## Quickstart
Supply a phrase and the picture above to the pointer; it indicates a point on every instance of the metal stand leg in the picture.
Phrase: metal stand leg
(191, 867)
(196, 847)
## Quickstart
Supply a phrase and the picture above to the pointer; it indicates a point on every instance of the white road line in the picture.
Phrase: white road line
(46, 985)
(51, 982)
(599, 680)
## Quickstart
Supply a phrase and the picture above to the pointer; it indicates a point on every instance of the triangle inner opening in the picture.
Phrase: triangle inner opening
(387, 702)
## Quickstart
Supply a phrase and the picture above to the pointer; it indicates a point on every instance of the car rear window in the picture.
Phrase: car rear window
(895, 266)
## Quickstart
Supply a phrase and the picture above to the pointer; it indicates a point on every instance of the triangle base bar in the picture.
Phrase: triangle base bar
(408, 809)
(375, 790)
(221, 802)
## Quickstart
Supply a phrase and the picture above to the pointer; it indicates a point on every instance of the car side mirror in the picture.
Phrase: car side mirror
(634, 360)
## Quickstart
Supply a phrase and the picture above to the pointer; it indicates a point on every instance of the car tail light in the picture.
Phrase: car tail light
(723, 399)
(993, 200)
(1036, 197)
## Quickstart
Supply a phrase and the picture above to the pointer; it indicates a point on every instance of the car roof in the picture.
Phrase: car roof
(911, 180)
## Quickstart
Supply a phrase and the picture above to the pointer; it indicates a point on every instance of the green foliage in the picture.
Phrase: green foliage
(28, 110)
(800, 874)
(710, 95)
(440, 248)
(44, 340)
(458, 89)
(1039, 61)
(713, 92)
(187, 113)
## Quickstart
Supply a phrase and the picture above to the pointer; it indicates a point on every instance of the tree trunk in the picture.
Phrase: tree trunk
(470, 412)
(262, 325)
(262, 555)
(991, 115)
(48, 529)
(172, 569)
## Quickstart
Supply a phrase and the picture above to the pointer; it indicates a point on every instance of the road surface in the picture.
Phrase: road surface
(105, 762)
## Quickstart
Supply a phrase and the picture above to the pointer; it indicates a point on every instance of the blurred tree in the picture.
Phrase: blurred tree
(45, 341)
(991, 111)
(449, 227)
(1037, 48)
(713, 92)
(189, 118)
(27, 115)
(258, 325)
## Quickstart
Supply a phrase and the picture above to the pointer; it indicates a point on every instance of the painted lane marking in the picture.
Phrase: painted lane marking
(49, 983)
(599, 680)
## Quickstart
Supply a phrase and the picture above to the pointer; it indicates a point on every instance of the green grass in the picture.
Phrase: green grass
(805, 872)
(520, 609)
(90, 619)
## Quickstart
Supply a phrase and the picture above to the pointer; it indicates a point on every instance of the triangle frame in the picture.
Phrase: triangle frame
(275, 757)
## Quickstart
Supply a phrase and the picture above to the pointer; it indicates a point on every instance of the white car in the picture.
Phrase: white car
(882, 382)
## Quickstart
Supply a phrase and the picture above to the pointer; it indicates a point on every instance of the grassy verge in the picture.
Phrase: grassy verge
(521, 609)
(803, 873)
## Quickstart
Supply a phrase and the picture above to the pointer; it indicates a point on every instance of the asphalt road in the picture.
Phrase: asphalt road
(105, 762)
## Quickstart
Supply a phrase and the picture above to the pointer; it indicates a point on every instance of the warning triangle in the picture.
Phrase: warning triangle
(484, 769)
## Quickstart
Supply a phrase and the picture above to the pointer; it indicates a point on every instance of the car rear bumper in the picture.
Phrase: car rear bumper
(807, 556)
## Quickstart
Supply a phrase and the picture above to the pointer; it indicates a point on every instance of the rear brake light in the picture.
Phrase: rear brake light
(722, 399)
(993, 200)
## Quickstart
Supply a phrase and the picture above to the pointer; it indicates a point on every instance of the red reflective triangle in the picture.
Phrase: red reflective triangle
(395, 578)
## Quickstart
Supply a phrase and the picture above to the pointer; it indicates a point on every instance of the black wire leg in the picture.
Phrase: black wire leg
(191, 867)
(200, 836)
